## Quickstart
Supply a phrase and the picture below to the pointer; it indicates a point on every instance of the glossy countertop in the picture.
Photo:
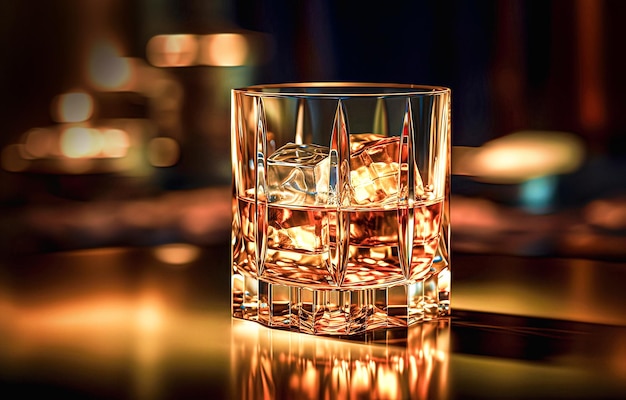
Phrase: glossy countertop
(154, 323)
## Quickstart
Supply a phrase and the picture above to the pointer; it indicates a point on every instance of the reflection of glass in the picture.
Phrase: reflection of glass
(340, 206)
(279, 364)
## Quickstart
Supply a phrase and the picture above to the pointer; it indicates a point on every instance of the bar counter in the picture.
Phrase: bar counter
(154, 323)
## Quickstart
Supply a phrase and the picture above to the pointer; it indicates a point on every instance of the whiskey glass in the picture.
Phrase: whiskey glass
(340, 205)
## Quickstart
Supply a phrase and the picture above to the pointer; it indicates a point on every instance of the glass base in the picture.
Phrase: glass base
(341, 312)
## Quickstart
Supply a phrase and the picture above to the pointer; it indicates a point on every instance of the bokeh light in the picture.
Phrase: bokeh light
(107, 69)
(115, 143)
(176, 253)
(78, 141)
(607, 213)
(172, 50)
(41, 142)
(521, 156)
(72, 107)
(149, 315)
(163, 152)
(223, 50)
(12, 160)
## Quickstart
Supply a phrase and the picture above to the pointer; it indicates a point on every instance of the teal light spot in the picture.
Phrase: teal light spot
(537, 195)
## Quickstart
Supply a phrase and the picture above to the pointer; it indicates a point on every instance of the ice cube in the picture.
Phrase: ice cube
(359, 140)
(297, 174)
(374, 169)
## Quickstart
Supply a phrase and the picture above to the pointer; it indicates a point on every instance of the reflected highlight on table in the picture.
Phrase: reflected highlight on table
(396, 364)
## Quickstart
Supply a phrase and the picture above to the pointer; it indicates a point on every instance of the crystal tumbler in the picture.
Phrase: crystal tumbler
(340, 206)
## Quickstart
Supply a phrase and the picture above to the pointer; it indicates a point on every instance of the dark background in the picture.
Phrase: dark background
(115, 283)
(512, 65)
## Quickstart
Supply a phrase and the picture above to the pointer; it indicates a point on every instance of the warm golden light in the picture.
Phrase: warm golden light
(72, 107)
(606, 213)
(163, 152)
(314, 367)
(172, 50)
(115, 143)
(388, 385)
(177, 253)
(149, 317)
(77, 142)
(40, 142)
(521, 156)
(107, 69)
(223, 50)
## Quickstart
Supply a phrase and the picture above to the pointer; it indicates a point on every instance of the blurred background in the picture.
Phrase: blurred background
(115, 114)
(115, 201)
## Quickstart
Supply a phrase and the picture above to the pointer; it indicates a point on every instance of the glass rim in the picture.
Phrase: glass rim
(353, 89)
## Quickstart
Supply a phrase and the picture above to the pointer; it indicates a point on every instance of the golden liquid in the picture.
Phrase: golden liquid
(301, 244)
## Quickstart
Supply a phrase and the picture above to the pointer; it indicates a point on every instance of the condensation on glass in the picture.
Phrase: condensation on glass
(340, 206)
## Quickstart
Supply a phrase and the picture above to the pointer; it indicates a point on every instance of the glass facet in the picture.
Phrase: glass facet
(340, 206)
